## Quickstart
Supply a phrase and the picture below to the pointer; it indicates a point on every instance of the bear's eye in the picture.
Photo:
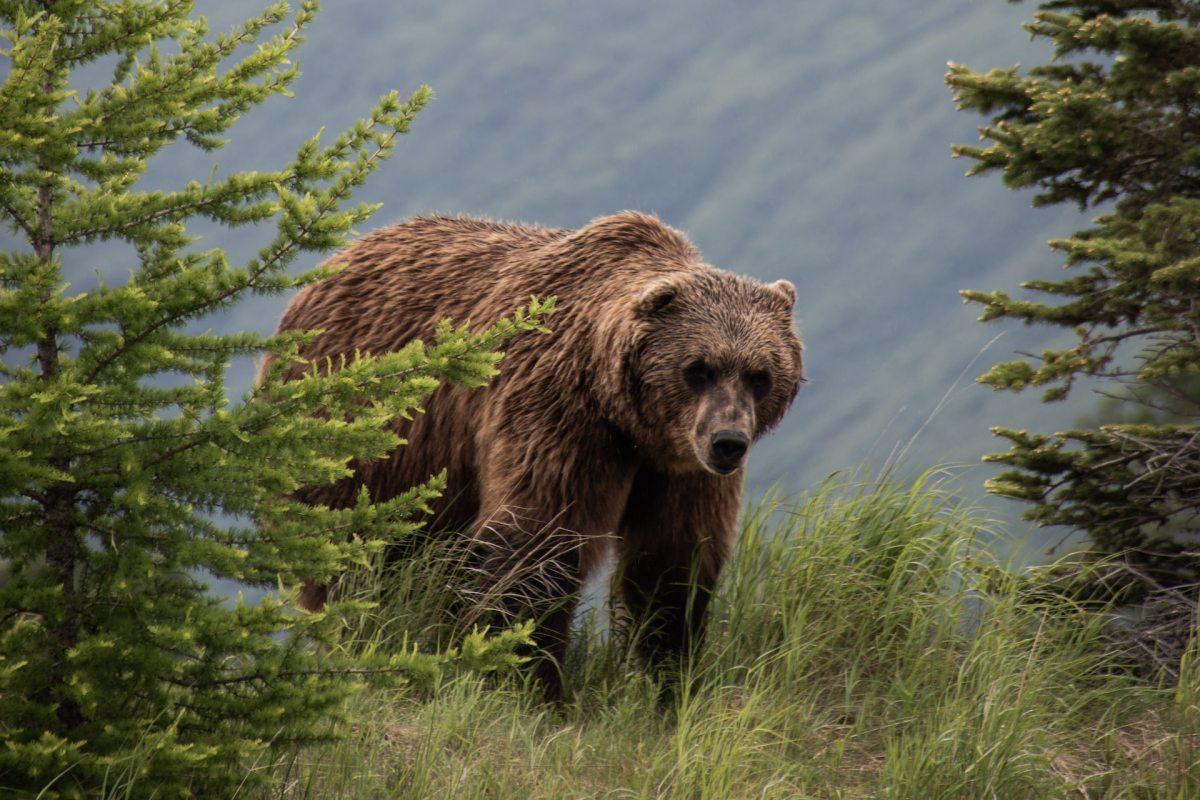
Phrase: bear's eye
(759, 382)
(698, 375)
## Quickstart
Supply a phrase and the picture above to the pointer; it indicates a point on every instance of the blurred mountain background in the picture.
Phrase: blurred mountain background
(807, 141)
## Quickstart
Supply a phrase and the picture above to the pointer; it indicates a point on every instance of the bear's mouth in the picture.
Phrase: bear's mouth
(723, 469)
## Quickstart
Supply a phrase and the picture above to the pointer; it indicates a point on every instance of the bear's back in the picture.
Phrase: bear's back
(397, 282)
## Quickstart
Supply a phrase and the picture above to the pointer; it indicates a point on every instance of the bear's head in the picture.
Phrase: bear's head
(713, 364)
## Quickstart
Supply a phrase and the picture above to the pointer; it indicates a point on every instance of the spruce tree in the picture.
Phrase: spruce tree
(128, 478)
(1111, 124)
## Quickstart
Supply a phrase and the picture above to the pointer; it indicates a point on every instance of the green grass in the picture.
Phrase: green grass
(853, 653)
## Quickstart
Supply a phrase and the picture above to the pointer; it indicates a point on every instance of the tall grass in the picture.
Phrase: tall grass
(856, 649)
(859, 647)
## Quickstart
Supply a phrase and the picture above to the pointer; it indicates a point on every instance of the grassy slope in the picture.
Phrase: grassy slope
(852, 655)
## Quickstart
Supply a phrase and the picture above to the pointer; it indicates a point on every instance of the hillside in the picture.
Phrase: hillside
(807, 141)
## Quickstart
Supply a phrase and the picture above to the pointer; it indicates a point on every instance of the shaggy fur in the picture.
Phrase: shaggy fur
(627, 422)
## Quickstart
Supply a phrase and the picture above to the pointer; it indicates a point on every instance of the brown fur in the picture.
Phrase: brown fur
(598, 429)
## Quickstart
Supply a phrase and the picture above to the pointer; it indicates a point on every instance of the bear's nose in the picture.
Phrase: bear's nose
(729, 446)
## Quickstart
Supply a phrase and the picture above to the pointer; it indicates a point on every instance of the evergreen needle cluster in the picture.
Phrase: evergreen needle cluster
(1113, 123)
(128, 477)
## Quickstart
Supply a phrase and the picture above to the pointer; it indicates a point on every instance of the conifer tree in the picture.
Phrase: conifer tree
(1112, 124)
(128, 478)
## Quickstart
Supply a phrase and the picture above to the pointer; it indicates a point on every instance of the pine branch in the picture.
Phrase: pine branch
(277, 255)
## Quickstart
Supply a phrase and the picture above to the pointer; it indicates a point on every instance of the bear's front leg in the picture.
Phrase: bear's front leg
(674, 538)
(530, 570)
(543, 518)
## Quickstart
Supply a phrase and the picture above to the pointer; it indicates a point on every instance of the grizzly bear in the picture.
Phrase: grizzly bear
(629, 423)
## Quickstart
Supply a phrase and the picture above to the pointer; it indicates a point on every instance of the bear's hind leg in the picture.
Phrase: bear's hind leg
(312, 596)
(674, 538)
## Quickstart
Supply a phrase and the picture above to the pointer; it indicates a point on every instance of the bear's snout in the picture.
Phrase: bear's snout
(726, 450)
(724, 429)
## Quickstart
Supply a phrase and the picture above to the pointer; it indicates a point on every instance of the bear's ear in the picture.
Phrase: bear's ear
(657, 296)
(785, 289)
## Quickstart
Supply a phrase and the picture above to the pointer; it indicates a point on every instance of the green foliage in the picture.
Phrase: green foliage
(1113, 122)
(127, 476)
(861, 647)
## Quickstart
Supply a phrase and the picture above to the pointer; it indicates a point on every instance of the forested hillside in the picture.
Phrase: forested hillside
(808, 141)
